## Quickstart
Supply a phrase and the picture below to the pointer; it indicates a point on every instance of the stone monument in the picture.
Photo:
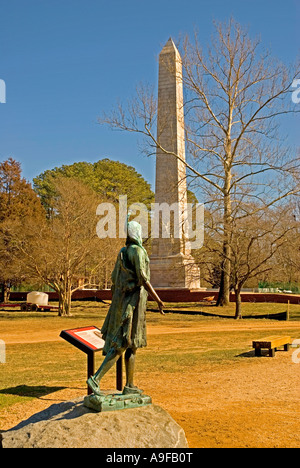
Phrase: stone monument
(172, 265)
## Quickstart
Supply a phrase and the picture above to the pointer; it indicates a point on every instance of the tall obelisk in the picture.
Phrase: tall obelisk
(172, 265)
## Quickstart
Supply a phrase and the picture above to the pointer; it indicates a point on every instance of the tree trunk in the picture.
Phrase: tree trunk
(2, 293)
(65, 301)
(238, 303)
(224, 290)
(223, 299)
(221, 290)
(5, 292)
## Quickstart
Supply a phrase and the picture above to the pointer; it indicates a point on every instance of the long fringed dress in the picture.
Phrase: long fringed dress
(125, 323)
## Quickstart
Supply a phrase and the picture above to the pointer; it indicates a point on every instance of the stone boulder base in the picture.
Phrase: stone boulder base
(72, 425)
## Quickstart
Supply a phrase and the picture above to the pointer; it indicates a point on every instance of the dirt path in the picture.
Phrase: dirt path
(253, 405)
(29, 335)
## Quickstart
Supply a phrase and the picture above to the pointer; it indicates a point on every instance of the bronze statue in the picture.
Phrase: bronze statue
(124, 329)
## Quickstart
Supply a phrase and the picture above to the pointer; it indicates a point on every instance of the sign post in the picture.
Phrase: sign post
(89, 340)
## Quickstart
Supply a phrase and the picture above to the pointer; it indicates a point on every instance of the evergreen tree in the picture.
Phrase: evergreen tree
(19, 205)
(107, 178)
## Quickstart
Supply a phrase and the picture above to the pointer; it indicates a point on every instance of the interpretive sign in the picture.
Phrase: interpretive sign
(89, 340)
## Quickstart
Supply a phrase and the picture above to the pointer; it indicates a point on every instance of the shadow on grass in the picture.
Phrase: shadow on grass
(276, 316)
(30, 391)
(247, 354)
(251, 354)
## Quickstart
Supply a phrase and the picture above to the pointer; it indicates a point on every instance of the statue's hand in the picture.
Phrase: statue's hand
(161, 306)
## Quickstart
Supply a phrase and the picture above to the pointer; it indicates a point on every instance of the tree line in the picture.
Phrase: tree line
(48, 231)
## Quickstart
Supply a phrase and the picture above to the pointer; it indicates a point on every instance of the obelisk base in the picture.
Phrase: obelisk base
(175, 271)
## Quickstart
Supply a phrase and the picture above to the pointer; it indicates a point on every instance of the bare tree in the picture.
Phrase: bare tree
(287, 260)
(235, 96)
(65, 248)
(254, 243)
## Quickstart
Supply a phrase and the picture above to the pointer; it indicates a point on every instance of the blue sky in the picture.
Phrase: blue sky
(64, 62)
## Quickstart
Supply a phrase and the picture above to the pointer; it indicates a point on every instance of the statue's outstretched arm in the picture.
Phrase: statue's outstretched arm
(148, 286)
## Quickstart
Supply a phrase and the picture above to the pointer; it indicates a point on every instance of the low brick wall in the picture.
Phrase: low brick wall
(172, 295)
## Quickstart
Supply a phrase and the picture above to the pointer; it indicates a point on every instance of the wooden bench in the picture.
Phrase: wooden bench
(271, 343)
